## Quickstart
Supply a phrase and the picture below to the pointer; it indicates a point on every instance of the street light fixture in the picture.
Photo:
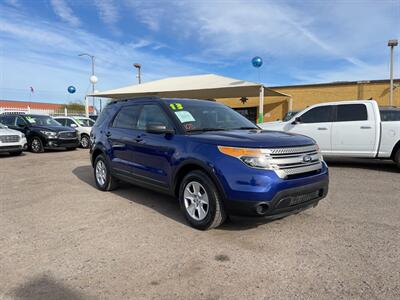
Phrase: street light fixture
(138, 67)
(93, 78)
(391, 44)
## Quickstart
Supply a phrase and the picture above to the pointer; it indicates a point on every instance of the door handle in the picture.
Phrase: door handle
(322, 128)
(365, 127)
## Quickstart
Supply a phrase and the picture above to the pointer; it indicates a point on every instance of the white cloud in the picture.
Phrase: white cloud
(61, 9)
(107, 10)
(47, 56)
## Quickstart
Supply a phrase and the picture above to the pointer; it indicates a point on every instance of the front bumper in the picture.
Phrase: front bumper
(283, 203)
(62, 143)
(13, 148)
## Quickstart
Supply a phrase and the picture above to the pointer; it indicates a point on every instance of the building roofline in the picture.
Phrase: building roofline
(397, 80)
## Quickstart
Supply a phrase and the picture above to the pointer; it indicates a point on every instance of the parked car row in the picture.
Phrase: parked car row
(39, 132)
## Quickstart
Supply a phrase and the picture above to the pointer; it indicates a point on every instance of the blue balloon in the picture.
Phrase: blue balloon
(71, 89)
(257, 62)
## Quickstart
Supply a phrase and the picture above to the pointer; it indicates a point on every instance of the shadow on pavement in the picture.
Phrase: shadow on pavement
(46, 287)
(360, 163)
(163, 204)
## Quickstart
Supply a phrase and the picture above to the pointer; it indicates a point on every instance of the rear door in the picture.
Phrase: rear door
(354, 130)
(317, 124)
(121, 136)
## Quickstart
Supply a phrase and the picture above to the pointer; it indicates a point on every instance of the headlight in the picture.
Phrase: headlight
(252, 157)
(49, 133)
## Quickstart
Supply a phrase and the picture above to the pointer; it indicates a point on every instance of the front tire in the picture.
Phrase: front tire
(102, 175)
(36, 145)
(85, 141)
(201, 202)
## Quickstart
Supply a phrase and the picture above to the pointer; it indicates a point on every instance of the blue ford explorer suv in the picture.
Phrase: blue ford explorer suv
(213, 159)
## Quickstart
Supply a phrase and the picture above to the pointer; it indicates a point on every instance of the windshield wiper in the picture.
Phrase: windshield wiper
(205, 129)
(245, 128)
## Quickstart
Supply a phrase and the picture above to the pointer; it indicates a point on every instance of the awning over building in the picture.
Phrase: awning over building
(208, 86)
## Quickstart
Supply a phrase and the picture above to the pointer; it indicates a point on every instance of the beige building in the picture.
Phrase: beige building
(305, 95)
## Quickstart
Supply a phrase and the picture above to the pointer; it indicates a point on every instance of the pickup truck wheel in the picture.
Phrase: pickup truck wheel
(36, 145)
(397, 158)
(200, 201)
(102, 175)
(85, 141)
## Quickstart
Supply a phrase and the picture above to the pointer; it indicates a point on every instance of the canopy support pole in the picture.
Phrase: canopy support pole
(261, 106)
(86, 107)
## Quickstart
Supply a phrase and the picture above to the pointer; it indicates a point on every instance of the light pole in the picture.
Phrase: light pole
(138, 67)
(93, 79)
(391, 44)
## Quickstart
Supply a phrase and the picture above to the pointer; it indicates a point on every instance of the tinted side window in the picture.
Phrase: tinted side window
(104, 115)
(153, 114)
(7, 120)
(127, 117)
(69, 122)
(351, 112)
(390, 115)
(20, 122)
(319, 114)
(61, 121)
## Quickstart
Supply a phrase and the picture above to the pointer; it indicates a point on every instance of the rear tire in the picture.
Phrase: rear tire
(201, 202)
(102, 175)
(36, 145)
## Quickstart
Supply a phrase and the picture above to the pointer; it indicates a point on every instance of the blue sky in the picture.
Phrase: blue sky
(300, 42)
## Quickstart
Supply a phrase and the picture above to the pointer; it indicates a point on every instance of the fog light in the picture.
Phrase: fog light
(262, 209)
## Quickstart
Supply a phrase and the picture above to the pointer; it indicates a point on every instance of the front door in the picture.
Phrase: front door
(317, 124)
(153, 151)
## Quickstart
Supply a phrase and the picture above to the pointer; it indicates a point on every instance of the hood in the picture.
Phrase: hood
(52, 128)
(8, 131)
(253, 138)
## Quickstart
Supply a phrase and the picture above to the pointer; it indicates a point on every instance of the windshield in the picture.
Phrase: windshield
(84, 122)
(42, 120)
(290, 115)
(198, 115)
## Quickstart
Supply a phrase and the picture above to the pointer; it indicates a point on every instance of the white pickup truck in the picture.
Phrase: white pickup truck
(347, 129)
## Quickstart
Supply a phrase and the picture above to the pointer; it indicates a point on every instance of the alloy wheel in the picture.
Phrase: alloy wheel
(196, 200)
(101, 172)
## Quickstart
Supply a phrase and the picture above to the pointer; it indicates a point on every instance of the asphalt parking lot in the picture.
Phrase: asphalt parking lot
(60, 238)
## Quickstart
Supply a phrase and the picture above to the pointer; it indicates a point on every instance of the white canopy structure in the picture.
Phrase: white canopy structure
(207, 86)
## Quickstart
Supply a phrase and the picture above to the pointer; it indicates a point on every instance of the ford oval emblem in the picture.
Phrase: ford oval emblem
(307, 158)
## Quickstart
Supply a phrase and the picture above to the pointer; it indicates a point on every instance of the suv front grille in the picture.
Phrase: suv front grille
(67, 135)
(9, 138)
(287, 162)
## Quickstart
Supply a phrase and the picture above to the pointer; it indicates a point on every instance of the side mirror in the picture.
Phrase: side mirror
(158, 128)
(297, 120)
(73, 125)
